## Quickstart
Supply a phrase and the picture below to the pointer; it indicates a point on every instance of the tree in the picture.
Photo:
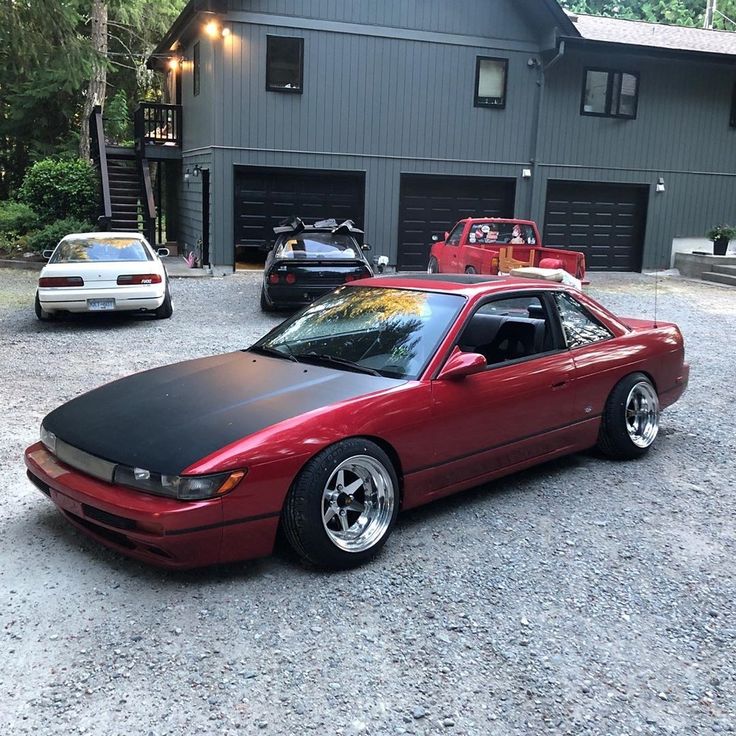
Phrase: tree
(97, 87)
(674, 12)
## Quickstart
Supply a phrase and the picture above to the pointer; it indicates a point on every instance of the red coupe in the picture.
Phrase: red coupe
(383, 395)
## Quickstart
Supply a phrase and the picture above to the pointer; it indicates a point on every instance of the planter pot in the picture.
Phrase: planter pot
(720, 246)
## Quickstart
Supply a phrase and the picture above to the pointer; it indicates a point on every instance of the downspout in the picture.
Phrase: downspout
(541, 79)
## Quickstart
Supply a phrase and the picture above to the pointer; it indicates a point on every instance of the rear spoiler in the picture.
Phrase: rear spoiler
(295, 225)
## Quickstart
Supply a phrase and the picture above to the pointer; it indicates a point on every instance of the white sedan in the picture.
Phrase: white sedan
(104, 272)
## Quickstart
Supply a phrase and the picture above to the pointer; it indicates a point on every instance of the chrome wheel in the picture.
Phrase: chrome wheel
(642, 414)
(358, 503)
(434, 266)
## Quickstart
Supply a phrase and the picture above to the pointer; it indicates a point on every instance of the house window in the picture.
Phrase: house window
(284, 64)
(195, 69)
(610, 94)
(490, 82)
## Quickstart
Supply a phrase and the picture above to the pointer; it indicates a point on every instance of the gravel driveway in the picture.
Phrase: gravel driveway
(582, 597)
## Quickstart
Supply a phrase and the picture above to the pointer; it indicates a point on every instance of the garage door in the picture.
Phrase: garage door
(265, 197)
(604, 221)
(429, 205)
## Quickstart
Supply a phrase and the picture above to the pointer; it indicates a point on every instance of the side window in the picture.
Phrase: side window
(490, 82)
(578, 325)
(284, 64)
(456, 234)
(608, 93)
(509, 329)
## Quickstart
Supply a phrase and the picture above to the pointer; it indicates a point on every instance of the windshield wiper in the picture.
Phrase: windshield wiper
(263, 350)
(332, 360)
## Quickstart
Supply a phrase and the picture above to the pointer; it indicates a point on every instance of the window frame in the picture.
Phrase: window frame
(552, 318)
(732, 120)
(476, 98)
(461, 227)
(609, 93)
(196, 69)
(289, 90)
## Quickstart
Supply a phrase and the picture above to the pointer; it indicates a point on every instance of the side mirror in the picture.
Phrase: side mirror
(447, 234)
(462, 364)
(47, 254)
(162, 252)
(365, 246)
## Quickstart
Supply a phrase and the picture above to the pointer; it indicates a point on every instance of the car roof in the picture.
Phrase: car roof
(502, 220)
(464, 284)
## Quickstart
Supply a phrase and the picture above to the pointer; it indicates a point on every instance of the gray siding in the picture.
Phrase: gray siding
(490, 18)
(389, 88)
(681, 133)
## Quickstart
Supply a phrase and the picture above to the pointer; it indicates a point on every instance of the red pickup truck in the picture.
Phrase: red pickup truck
(491, 244)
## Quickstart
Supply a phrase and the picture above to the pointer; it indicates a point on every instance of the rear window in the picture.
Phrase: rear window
(318, 245)
(503, 233)
(82, 250)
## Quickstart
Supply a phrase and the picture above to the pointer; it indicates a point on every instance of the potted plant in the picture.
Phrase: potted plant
(721, 235)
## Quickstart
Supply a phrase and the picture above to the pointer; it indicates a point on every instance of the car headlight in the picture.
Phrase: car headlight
(183, 487)
(48, 440)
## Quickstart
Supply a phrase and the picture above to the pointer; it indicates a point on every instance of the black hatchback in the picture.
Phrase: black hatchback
(307, 261)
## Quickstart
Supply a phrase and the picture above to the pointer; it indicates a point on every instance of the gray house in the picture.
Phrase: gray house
(406, 115)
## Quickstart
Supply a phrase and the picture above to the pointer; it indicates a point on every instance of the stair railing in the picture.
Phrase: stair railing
(99, 154)
(147, 200)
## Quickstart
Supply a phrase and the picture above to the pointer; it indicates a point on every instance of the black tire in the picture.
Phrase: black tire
(470, 270)
(304, 515)
(41, 313)
(167, 306)
(434, 266)
(618, 437)
(265, 306)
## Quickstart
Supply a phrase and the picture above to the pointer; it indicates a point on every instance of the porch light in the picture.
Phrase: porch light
(212, 29)
(225, 32)
(660, 185)
(174, 64)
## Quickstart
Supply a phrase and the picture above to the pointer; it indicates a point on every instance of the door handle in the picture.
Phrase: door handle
(560, 384)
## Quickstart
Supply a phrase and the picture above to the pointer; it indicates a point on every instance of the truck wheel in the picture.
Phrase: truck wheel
(434, 266)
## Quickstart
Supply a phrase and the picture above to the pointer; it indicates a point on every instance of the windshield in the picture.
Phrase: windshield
(394, 332)
(82, 250)
(318, 245)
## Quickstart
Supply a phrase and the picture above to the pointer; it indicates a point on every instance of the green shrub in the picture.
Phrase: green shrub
(49, 237)
(60, 188)
(16, 218)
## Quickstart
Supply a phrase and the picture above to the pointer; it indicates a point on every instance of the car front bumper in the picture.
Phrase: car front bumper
(161, 531)
(126, 298)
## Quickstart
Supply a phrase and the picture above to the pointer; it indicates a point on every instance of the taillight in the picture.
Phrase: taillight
(273, 278)
(61, 281)
(290, 278)
(139, 278)
(494, 265)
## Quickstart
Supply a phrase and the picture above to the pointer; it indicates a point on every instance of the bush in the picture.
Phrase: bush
(60, 188)
(16, 218)
(49, 237)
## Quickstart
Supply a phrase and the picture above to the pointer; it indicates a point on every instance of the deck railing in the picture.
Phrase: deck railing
(158, 124)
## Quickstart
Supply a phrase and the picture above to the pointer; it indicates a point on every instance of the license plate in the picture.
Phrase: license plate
(66, 503)
(100, 305)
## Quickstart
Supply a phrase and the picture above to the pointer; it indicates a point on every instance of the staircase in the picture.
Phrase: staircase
(722, 273)
(125, 191)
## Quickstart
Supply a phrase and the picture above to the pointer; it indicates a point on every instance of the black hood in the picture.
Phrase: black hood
(167, 418)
